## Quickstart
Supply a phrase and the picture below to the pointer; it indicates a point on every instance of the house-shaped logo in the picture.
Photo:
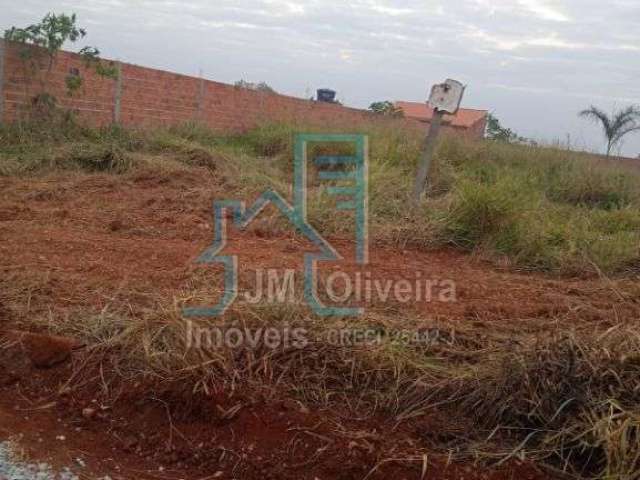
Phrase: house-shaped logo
(350, 171)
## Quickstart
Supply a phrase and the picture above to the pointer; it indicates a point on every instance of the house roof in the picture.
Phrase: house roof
(465, 117)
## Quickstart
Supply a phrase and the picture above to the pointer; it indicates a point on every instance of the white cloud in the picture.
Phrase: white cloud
(284, 7)
(346, 55)
(512, 43)
(230, 24)
(543, 10)
(553, 41)
(487, 39)
(388, 10)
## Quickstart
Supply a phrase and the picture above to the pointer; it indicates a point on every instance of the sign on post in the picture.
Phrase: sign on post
(447, 96)
(444, 98)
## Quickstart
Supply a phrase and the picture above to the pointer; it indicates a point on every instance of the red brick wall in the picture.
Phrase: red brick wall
(93, 102)
(155, 97)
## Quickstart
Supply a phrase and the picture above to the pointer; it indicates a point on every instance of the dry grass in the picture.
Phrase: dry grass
(152, 345)
(570, 400)
(573, 399)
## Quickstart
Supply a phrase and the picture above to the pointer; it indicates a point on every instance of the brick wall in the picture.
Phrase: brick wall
(94, 101)
(146, 97)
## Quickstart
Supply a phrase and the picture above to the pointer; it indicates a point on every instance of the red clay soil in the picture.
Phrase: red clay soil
(172, 437)
(90, 241)
(71, 242)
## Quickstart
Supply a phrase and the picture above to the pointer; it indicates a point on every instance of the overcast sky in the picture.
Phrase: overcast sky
(534, 63)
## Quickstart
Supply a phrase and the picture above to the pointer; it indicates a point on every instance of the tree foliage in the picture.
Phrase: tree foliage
(51, 33)
(41, 43)
(386, 108)
(258, 87)
(496, 131)
(615, 126)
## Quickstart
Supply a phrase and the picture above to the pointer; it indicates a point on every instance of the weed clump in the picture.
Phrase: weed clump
(589, 186)
(573, 398)
(269, 140)
(542, 209)
(100, 158)
(483, 213)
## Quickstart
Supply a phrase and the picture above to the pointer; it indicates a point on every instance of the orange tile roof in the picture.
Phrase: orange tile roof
(465, 117)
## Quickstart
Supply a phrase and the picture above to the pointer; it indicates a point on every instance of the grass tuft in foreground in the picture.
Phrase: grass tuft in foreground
(572, 398)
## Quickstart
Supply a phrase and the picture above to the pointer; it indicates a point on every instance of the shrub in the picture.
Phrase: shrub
(483, 214)
(589, 185)
(269, 140)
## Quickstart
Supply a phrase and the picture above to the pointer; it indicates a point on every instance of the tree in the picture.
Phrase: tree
(386, 108)
(258, 87)
(495, 131)
(41, 44)
(615, 127)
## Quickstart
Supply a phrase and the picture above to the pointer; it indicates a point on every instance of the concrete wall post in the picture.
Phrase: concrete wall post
(2, 62)
(117, 96)
(201, 90)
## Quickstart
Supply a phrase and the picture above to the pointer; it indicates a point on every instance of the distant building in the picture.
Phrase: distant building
(466, 121)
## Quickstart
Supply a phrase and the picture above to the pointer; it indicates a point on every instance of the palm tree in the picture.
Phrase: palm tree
(616, 126)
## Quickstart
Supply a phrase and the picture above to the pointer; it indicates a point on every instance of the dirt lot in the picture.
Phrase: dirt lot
(74, 243)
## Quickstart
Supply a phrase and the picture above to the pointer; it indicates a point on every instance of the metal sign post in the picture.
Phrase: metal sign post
(444, 98)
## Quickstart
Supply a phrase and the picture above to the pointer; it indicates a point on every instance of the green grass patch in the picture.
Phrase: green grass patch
(542, 208)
